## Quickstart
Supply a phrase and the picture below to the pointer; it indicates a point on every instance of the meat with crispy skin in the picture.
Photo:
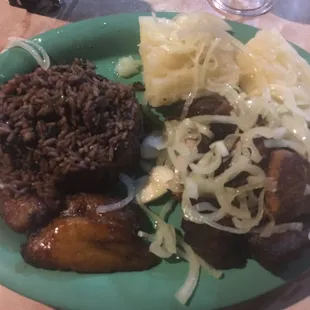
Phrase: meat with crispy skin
(83, 241)
(213, 104)
(290, 172)
(224, 250)
(220, 249)
(27, 213)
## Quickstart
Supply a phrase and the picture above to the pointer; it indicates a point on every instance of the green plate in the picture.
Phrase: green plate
(103, 41)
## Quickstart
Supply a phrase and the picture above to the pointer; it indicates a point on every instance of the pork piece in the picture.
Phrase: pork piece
(83, 241)
(275, 252)
(206, 105)
(220, 249)
(213, 104)
(290, 172)
(27, 213)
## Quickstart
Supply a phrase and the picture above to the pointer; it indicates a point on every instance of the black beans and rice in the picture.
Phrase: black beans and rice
(65, 126)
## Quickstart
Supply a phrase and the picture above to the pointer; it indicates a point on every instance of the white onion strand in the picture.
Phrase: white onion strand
(122, 203)
(32, 48)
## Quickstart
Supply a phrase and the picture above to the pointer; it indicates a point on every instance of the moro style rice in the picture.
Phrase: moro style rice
(65, 125)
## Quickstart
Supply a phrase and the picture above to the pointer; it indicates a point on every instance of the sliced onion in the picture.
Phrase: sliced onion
(156, 246)
(214, 164)
(124, 202)
(212, 271)
(164, 244)
(140, 183)
(205, 206)
(157, 184)
(192, 188)
(247, 139)
(220, 147)
(243, 203)
(270, 184)
(187, 105)
(225, 200)
(170, 241)
(211, 162)
(273, 143)
(164, 240)
(143, 234)
(282, 143)
(250, 223)
(159, 251)
(267, 230)
(307, 190)
(167, 207)
(215, 215)
(206, 119)
(271, 228)
(170, 132)
(31, 47)
(151, 145)
(180, 163)
(231, 140)
(204, 130)
(288, 227)
(235, 169)
(187, 289)
(192, 215)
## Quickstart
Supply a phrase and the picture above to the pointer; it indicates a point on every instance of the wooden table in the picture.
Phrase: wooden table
(293, 22)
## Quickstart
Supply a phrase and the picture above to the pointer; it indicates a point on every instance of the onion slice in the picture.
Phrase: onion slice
(124, 202)
(151, 145)
(271, 229)
(187, 289)
(307, 190)
(33, 48)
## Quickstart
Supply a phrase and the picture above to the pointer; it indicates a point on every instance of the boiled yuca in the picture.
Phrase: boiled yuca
(185, 56)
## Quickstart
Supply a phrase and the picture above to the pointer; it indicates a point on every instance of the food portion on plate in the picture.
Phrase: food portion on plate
(66, 130)
(234, 150)
(232, 153)
(83, 240)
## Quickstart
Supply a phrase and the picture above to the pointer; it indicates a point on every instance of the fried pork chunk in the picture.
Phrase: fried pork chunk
(290, 172)
(275, 252)
(222, 250)
(286, 203)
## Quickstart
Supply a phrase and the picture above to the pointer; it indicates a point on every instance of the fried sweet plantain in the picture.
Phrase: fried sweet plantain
(83, 241)
(81, 245)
